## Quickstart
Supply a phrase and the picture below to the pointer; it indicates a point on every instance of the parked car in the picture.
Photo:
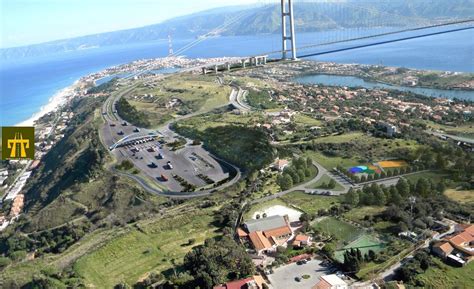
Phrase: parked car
(298, 279)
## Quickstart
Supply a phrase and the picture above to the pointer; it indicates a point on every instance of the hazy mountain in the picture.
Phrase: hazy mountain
(246, 20)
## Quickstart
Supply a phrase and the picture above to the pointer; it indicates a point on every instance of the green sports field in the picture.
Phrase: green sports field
(365, 243)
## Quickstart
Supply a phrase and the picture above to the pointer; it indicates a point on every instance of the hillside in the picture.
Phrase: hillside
(309, 17)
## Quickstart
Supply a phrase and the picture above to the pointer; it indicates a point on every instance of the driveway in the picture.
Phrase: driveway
(284, 276)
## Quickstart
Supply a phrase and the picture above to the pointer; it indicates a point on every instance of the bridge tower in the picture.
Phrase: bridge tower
(287, 12)
(170, 46)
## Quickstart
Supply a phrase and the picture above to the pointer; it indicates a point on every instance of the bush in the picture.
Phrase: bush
(4, 262)
(131, 114)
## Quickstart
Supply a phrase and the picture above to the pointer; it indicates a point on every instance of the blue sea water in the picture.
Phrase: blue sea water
(27, 84)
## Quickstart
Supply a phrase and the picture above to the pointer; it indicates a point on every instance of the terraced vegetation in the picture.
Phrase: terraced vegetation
(148, 246)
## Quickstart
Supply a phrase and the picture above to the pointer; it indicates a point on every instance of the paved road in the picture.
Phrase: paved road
(109, 135)
(300, 187)
(236, 99)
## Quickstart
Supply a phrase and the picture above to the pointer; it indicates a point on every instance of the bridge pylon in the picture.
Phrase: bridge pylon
(287, 12)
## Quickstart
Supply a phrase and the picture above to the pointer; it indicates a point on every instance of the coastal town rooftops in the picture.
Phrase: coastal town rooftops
(265, 224)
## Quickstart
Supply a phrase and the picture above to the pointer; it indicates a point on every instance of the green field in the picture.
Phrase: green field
(306, 120)
(310, 203)
(197, 93)
(357, 214)
(331, 162)
(152, 246)
(461, 196)
(436, 176)
(466, 130)
(365, 243)
(362, 149)
(320, 184)
(342, 231)
(445, 276)
(346, 137)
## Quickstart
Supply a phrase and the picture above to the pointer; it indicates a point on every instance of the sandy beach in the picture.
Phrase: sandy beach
(57, 100)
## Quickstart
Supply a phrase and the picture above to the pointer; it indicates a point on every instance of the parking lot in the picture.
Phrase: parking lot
(284, 276)
(190, 165)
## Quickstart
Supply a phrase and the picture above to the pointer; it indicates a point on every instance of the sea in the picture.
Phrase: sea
(27, 84)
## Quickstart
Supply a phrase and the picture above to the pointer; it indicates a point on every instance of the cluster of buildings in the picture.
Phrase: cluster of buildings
(265, 234)
(46, 136)
(457, 248)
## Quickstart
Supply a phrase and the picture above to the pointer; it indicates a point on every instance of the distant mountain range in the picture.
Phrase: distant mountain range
(248, 20)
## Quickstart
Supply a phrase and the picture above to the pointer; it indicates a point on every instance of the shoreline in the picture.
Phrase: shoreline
(54, 102)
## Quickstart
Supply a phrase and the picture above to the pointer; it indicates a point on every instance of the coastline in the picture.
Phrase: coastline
(56, 101)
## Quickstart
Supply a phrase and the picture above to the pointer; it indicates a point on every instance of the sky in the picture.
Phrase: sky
(24, 22)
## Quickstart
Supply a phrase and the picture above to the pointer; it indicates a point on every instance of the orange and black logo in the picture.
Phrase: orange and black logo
(18, 143)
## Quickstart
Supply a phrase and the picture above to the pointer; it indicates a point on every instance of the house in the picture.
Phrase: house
(301, 241)
(442, 249)
(280, 165)
(254, 282)
(457, 248)
(330, 282)
(464, 242)
(266, 234)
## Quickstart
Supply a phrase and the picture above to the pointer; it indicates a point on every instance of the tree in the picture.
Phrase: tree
(4, 261)
(379, 198)
(352, 197)
(301, 174)
(395, 197)
(440, 161)
(329, 249)
(422, 187)
(309, 162)
(441, 187)
(213, 262)
(331, 184)
(403, 187)
(285, 181)
(371, 255)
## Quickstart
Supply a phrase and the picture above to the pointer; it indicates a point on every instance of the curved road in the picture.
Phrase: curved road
(109, 115)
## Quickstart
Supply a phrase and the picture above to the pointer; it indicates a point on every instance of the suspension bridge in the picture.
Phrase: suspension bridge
(373, 26)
